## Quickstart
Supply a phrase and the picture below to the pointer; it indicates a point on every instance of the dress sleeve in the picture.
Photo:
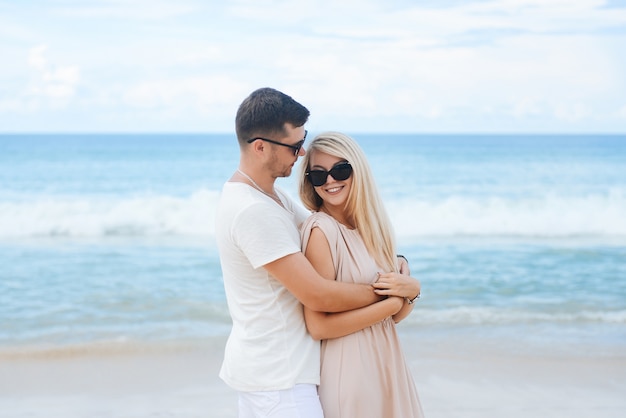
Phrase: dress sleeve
(329, 228)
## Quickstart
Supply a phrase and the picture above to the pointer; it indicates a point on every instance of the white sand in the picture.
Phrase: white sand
(454, 380)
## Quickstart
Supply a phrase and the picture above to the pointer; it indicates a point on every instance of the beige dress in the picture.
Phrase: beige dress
(363, 374)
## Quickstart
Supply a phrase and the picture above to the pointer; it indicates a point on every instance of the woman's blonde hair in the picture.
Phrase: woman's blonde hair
(364, 205)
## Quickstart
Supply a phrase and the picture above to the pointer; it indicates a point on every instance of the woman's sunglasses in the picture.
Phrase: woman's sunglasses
(341, 171)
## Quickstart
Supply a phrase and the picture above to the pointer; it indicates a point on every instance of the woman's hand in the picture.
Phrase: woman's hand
(396, 284)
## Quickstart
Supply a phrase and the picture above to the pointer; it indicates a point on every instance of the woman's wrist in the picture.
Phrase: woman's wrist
(411, 301)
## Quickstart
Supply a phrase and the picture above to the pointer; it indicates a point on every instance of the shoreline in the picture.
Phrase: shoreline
(454, 377)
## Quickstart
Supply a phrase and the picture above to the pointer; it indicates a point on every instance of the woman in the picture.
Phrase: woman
(348, 238)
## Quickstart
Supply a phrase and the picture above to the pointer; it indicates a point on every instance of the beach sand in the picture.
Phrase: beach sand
(454, 379)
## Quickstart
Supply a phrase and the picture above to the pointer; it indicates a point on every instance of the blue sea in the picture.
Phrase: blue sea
(518, 241)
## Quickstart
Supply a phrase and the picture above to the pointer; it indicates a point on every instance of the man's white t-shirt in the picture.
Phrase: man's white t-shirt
(269, 347)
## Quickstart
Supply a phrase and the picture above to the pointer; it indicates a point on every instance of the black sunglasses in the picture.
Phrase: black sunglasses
(341, 171)
(295, 147)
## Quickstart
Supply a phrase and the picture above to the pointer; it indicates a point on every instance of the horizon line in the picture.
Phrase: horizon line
(468, 133)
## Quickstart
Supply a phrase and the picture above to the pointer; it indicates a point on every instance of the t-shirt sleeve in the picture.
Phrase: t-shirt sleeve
(264, 234)
(300, 213)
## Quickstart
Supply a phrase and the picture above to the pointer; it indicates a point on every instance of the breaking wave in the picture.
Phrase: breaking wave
(193, 215)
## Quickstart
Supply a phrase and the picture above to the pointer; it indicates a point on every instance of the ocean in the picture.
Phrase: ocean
(108, 240)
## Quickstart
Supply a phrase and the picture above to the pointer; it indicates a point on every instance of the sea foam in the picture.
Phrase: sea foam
(551, 216)
(150, 215)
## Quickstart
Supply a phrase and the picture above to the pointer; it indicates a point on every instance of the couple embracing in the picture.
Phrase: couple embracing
(295, 277)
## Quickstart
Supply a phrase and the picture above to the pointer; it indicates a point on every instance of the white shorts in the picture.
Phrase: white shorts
(301, 401)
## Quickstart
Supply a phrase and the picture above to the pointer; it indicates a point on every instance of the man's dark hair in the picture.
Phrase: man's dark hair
(264, 113)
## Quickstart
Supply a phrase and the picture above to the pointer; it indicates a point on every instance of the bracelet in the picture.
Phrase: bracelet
(411, 301)
(401, 256)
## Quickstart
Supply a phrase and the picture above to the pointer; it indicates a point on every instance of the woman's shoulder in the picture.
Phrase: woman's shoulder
(324, 223)
(321, 220)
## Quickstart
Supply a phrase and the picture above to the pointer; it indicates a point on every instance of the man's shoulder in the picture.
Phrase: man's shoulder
(238, 197)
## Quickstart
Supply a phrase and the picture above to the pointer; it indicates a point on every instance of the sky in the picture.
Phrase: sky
(397, 66)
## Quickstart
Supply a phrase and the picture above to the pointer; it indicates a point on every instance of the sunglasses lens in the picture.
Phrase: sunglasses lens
(318, 177)
(339, 172)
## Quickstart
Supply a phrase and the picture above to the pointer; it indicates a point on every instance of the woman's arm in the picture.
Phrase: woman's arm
(323, 325)
(403, 312)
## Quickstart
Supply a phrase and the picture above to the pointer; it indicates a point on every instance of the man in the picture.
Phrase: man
(270, 359)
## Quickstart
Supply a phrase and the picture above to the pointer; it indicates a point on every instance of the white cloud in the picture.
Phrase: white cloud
(54, 84)
(125, 9)
(621, 113)
(571, 112)
(193, 92)
(469, 63)
(527, 106)
(36, 58)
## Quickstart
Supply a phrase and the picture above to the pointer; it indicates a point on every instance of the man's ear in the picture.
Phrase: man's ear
(258, 146)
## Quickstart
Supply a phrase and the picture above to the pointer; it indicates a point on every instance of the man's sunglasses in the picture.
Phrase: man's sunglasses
(295, 147)
(341, 171)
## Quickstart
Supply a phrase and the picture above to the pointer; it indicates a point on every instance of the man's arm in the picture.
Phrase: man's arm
(297, 274)
(403, 265)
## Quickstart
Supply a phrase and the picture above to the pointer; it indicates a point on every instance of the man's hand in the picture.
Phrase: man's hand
(403, 265)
